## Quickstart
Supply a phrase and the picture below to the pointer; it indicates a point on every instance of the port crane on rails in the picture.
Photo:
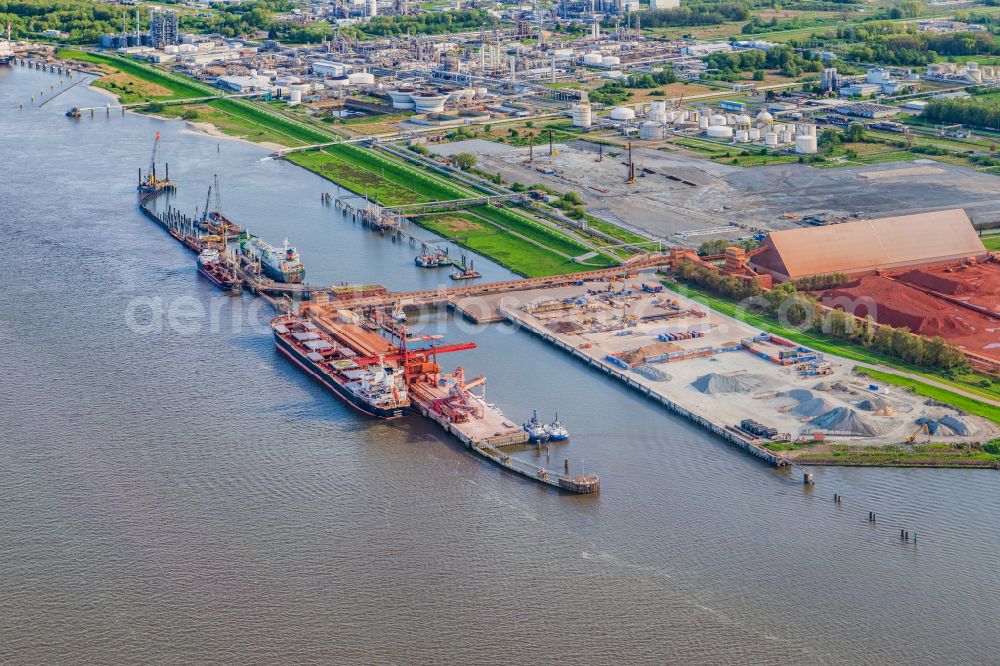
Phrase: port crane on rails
(419, 362)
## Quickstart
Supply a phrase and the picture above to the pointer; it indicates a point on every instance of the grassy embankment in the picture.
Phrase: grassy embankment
(992, 242)
(385, 180)
(968, 382)
(892, 455)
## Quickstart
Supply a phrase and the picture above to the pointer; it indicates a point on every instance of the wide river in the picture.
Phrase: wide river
(171, 490)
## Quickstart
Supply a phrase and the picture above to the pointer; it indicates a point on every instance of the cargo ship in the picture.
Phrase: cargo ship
(280, 265)
(333, 356)
(212, 266)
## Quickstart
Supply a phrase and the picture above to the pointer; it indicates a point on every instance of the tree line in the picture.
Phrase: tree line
(783, 58)
(900, 44)
(972, 111)
(695, 13)
(804, 311)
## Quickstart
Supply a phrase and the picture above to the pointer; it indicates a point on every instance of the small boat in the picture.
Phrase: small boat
(432, 258)
(215, 270)
(399, 315)
(556, 431)
(536, 431)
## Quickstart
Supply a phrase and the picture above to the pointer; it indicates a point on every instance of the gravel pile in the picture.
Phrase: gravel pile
(845, 419)
(714, 383)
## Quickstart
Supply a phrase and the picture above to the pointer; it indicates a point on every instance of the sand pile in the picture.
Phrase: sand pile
(847, 420)
(877, 405)
(823, 386)
(713, 383)
(639, 355)
(899, 304)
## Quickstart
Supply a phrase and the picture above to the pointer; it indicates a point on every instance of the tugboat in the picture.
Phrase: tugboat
(215, 270)
(465, 272)
(536, 431)
(556, 431)
(281, 265)
(432, 258)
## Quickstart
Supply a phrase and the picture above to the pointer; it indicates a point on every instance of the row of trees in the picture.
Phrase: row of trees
(695, 13)
(431, 23)
(802, 311)
(719, 245)
(906, 48)
(972, 111)
(783, 58)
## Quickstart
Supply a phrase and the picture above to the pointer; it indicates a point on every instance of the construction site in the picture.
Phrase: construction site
(726, 375)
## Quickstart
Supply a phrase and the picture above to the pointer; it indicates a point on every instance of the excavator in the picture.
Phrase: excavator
(921, 427)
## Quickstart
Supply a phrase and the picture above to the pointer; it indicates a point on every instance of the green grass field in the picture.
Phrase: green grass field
(472, 232)
(992, 242)
(941, 395)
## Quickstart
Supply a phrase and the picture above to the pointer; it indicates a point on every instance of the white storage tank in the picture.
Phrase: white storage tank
(650, 131)
(171, 48)
(582, 115)
(401, 99)
(658, 116)
(771, 139)
(764, 116)
(720, 132)
(295, 97)
(787, 136)
(592, 59)
(610, 61)
(361, 78)
(805, 144)
(717, 119)
(658, 105)
(622, 113)
(754, 134)
(742, 136)
(429, 103)
(703, 122)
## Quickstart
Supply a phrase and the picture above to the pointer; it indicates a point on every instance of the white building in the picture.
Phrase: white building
(664, 4)
(329, 68)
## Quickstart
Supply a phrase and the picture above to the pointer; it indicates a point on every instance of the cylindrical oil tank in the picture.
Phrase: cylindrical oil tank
(720, 132)
(622, 113)
(754, 134)
(742, 136)
(650, 131)
(717, 119)
(361, 78)
(582, 115)
(592, 59)
(295, 97)
(805, 144)
(787, 137)
(771, 139)
(658, 116)
(703, 122)
(610, 61)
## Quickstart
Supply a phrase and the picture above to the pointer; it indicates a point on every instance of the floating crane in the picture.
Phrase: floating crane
(150, 183)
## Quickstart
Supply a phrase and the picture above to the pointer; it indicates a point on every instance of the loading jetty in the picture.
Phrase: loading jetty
(446, 399)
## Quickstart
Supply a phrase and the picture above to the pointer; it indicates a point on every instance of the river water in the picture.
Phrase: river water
(172, 490)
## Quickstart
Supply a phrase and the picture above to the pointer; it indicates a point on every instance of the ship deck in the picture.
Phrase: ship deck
(364, 342)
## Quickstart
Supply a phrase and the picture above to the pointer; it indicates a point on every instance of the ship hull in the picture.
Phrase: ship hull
(230, 286)
(331, 384)
(280, 276)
